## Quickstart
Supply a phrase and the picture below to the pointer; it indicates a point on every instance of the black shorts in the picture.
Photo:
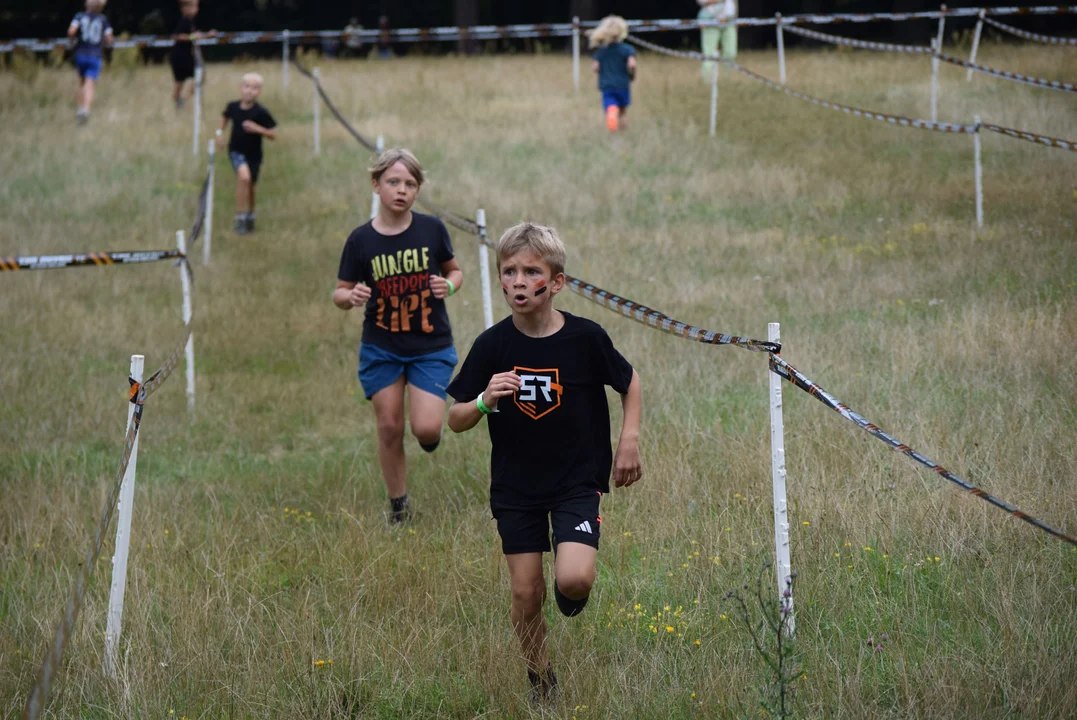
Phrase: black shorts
(528, 531)
(182, 67)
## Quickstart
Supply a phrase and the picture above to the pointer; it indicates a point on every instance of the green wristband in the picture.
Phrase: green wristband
(452, 288)
(482, 406)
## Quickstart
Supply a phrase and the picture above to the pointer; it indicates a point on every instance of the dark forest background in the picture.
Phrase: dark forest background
(37, 18)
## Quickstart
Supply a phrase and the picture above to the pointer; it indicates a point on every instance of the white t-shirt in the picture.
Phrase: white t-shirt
(722, 10)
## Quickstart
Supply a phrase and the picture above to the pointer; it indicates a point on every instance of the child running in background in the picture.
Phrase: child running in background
(250, 123)
(91, 32)
(615, 64)
(539, 379)
(185, 55)
(401, 266)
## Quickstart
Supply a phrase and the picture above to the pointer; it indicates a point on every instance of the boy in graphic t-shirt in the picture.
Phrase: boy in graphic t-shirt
(250, 123)
(539, 378)
(401, 267)
(91, 32)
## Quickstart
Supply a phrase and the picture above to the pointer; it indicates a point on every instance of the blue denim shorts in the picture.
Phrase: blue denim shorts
(88, 67)
(620, 98)
(255, 164)
(378, 369)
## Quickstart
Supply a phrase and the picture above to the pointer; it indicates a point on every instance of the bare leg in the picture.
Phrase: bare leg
(177, 90)
(389, 414)
(87, 93)
(427, 412)
(528, 594)
(245, 191)
(624, 125)
(574, 569)
(250, 205)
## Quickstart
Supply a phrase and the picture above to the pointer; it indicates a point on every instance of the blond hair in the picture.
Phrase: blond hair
(612, 29)
(394, 156)
(95, 5)
(538, 239)
(253, 77)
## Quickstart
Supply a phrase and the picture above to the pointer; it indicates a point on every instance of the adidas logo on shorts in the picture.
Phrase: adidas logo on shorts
(585, 526)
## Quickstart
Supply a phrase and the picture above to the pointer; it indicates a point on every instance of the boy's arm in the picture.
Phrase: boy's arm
(220, 130)
(72, 28)
(627, 466)
(632, 66)
(347, 295)
(451, 272)
(465, 415)
(594, 66)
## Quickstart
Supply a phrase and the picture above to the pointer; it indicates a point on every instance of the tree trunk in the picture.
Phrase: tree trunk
(466, 14)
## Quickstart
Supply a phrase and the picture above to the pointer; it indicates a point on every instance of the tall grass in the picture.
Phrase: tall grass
(260, 548)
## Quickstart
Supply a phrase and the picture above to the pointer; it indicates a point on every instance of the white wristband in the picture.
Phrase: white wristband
(220, 132)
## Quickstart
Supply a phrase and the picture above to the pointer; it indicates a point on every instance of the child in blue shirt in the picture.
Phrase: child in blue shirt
(615, 64)
(91, 33)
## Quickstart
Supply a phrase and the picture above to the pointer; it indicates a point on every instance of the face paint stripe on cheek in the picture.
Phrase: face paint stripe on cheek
(540, 287)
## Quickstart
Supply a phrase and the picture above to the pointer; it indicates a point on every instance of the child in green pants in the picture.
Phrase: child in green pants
(711, 37)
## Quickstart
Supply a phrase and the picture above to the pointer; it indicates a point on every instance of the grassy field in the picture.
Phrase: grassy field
(260, 548)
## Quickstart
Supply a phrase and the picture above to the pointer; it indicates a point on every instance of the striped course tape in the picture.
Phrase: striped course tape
(627, 308)
(1032, 137)
(920, 50)
(1048, 39)
(660, 321)
(787, 372)
(39, 693)
(1007, 75)
(863, 44)
(540, 30)
(52, 262)
(869, 114)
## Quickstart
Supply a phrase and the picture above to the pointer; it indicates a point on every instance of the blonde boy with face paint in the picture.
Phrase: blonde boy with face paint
(539, 379)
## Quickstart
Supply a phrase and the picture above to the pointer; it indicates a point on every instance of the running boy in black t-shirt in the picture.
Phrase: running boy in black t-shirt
(185, 55)
(551, 443)
(401, 266)
(250, 123)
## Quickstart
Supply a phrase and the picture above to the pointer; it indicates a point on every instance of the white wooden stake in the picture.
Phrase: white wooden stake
(185, 281)
(714, 100)
(979, 176)
(783, 564)
(284, 59)
(207, 224)
(939, 39)
(975, 42)
(375, 202)
(781, 48)
(124, 508)
(317, 115)
(484, 270)
(196, 141)
(934, 81)
(576, 53)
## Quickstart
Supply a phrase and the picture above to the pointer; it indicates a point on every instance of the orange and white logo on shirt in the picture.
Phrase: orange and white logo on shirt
(540, 391)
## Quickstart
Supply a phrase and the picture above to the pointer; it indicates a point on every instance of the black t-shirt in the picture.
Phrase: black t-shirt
(243, 142)
(184, 49)
(551, 439)
(402, 315)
